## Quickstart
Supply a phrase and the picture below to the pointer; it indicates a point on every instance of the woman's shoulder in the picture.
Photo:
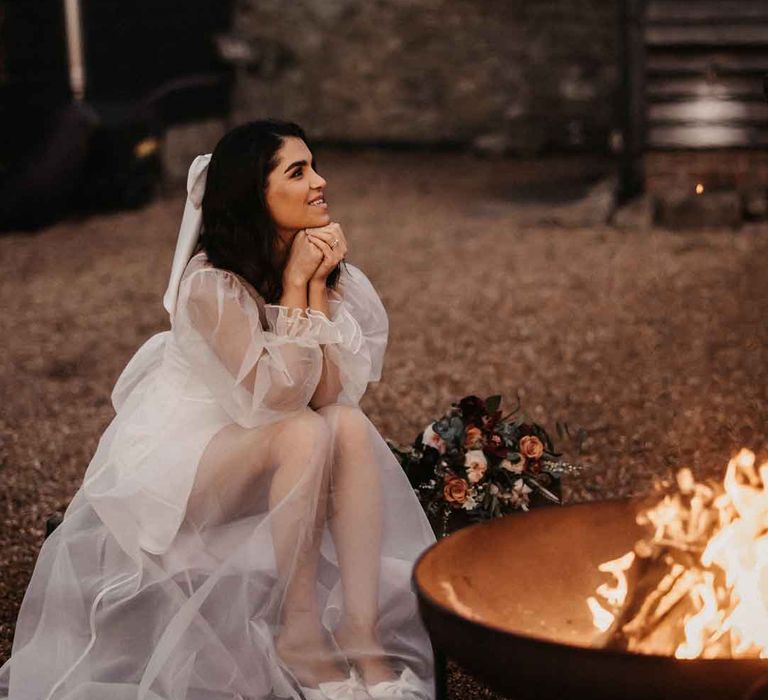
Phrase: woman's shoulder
(199, 261)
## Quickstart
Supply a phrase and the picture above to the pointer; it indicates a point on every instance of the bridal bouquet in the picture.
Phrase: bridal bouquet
(474, 464)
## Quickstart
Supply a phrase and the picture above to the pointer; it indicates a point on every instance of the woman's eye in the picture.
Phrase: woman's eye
(296, 171)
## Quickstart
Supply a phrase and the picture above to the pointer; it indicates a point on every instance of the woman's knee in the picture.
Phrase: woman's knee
(304, 433)
(344, 419)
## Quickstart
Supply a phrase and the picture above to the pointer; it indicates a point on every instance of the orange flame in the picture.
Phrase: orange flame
(733, 517)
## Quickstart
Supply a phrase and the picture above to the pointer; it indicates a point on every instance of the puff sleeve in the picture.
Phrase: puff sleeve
(256, 374)
(354, 338)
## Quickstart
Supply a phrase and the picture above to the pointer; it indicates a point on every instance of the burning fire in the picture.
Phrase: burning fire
(700, 579)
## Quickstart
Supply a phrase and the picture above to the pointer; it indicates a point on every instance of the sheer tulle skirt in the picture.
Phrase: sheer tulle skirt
(312, 506)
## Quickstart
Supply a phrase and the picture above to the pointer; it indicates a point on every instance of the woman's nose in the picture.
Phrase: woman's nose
(319, 181)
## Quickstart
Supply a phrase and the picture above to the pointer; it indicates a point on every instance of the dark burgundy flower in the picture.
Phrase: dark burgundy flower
(421, 471)
(473, 409)
(495, 445)
(489, 422)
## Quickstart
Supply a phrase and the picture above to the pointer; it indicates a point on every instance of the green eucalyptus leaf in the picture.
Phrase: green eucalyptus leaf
(543, 490)
(492, 403)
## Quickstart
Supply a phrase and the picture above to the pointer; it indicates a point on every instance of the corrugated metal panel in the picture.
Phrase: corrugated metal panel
(726, 87)
(721, 63)
(702, 75)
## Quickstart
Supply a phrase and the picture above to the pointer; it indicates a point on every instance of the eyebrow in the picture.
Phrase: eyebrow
(296, 162)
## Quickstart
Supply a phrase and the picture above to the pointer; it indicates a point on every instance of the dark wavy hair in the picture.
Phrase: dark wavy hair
(238, 232)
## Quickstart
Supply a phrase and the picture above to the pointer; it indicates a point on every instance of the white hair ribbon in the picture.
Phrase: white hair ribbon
(189, 231)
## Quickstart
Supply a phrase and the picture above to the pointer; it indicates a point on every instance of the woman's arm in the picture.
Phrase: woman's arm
(256, 373)
(329, 387)
(353, 336)
(294, 295)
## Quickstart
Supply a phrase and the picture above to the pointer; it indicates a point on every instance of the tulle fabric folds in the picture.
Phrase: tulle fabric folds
(218, 503)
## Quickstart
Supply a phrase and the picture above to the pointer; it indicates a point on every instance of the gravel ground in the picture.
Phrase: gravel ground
(653, 342)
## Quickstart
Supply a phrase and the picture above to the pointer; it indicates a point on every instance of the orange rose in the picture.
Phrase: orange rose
(531, 447)
(473, 438)
(455, 489)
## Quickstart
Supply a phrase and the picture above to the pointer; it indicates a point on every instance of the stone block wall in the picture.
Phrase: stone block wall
(510, 76)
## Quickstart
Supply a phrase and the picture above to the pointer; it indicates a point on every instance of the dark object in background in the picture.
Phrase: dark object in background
(39, 125)
(40, 188)
(87, 159)
(147, 66)
(122, 167)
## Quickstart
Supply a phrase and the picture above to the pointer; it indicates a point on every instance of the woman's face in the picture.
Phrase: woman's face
(291, 187)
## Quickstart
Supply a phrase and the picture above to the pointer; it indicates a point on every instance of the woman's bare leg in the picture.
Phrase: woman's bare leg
(295, 449)
(356, 526)
(300, 449)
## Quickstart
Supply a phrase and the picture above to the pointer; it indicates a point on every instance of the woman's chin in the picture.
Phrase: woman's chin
(320, 219)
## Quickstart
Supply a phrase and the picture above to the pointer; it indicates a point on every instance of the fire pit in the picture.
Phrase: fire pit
(507, 599)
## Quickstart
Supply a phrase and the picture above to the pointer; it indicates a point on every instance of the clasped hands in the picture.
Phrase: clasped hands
(314, 255)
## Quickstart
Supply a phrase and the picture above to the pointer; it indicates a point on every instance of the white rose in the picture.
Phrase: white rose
(431, 438)
(476, 464)
(519, 496)
(469, 503)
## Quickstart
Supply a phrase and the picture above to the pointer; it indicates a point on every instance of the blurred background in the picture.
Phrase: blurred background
(565, 200)
(107, 101)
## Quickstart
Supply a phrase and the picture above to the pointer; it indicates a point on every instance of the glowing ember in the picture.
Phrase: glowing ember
(699, 189)
(699, 580)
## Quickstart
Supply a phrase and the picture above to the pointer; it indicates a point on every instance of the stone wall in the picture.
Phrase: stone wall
(509, 76)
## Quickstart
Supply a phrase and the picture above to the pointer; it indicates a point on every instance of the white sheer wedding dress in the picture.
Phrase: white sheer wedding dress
(215, 498)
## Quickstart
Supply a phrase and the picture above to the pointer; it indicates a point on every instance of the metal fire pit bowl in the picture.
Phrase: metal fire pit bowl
(506, 599)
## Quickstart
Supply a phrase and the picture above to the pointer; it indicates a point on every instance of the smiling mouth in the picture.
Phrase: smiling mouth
(320, 203)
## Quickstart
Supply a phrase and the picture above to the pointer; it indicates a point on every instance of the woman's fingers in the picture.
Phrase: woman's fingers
(323, 247)
(332, 256)
(329, 233)
(339, 249)
(327, 237)
(316, 243)
(311, 242)
(320, 243)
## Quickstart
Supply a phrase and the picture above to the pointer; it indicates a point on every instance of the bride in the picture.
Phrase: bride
(242, 530)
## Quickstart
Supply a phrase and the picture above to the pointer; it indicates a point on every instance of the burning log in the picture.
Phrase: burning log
(697, 586)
